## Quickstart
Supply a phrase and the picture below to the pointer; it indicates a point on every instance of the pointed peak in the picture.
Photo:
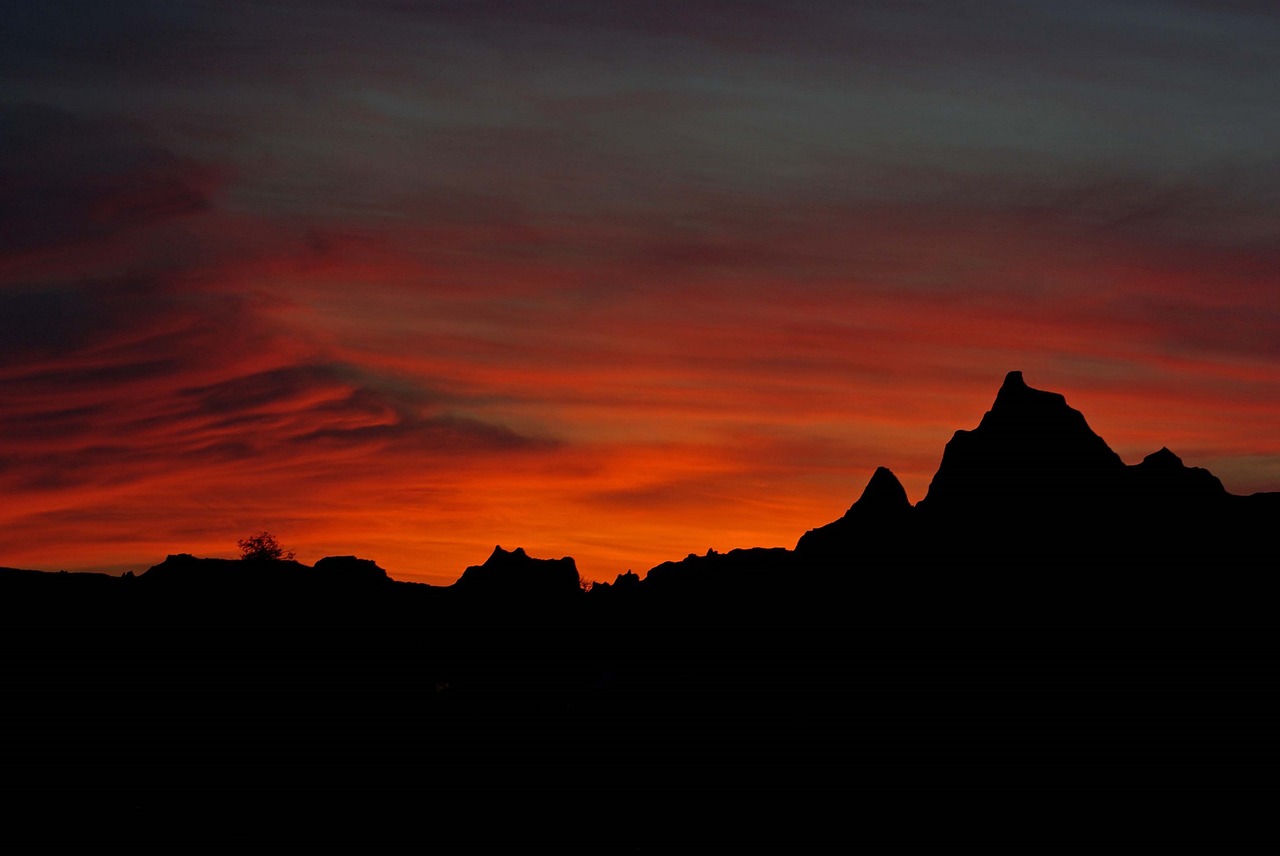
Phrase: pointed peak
(1031, 443)
(883, 493)
(1164, 479)
(1015, 387)
(1163, 458)
(1016, 397)
(882, 478)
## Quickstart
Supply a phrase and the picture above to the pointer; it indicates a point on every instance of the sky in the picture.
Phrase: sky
(618, 281)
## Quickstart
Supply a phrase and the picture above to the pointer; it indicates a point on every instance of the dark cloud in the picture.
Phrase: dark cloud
(137, 38)
(1215, 204)
(188, 41)
(445, 434)
(45, 319)
(268, 387)
(89, 327)
(1210, 207)
(65, 178)
(1084, 40)
(291, 418)
(1206, 328)
(338, 403)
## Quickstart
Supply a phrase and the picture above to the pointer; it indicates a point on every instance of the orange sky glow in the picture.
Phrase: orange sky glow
(410, 284)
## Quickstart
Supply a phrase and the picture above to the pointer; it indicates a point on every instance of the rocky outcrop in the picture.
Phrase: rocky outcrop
(1032, 486)
(881, 510)
(516, 573)
(1031, 455)
(185, 570)
(1164, 480)
(349, 570)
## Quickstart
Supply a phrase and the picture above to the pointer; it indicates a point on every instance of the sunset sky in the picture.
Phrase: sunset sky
(620, 281)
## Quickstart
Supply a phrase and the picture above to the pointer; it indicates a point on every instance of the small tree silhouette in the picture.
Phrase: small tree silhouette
(261, 546)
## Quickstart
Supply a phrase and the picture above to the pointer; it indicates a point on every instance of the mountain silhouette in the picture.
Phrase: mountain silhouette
(1040, 586)
(515, 572)
(1034, 485)
(1162, 479)
(879, 514)
(1030, 453)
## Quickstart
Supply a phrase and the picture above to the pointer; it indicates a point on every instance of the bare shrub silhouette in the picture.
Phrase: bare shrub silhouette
(262, 546)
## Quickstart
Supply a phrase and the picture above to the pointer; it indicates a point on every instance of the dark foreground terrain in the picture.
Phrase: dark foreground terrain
(1044, 594)
(1042, 587)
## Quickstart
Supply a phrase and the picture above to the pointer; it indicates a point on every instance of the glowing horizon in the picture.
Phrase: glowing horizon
(604, 282)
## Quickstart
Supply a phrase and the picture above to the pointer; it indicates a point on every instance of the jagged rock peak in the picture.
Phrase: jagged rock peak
(518, 557)
(1024, 412)
(883, 493)
(516, 571)
(1162, 477)
(883, 507)
(1163, 458)
(1016, 399)
(1030, 452)
(1013, 381)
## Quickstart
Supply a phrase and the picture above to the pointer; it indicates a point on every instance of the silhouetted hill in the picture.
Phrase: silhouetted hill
(1041, 586)
(875, 522)
(1162, 479)
(12, 579)
(349, 570)
(1030, 454)
(515, 573)
(184, 570)
(1033, 488)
